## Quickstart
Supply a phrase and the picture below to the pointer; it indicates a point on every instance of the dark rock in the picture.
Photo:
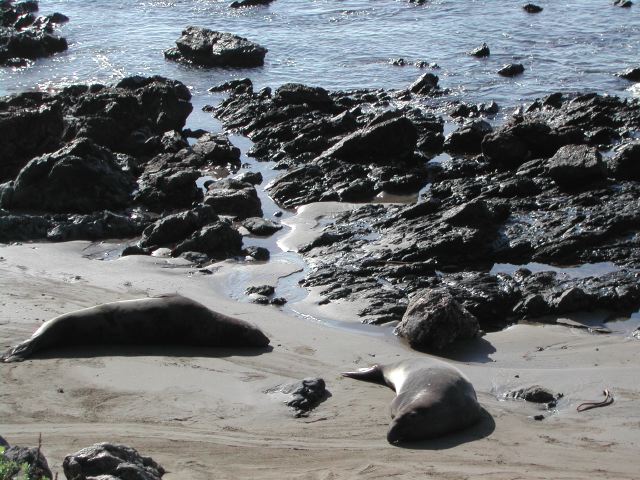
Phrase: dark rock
(217, 150)
(385, 142)
(96, 226)
(133, 250)
(573, 166)
(623, 3)
(80, 177)
(217, 240)
(468, 138)
(296, 93)
(632, 74)
(625, 164)
(261, 226)
(278, 301)
(481, 51)
(237, 87)
(168, 188)
(257, 253)
(534, 394)
(254, 178)
(119, 461)
(304, 395)
(32, 456)
(232, 197)
(265, 290)
(24, 38)
(249, 3)
(177, 227)
(208, 48)
(511, 70)
(425, 85)
(3, 442)
(435, 319)
(531, 8)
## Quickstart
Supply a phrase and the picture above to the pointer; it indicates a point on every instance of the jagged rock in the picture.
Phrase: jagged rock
(254, 178)
(80, 177)
(249, 3)
(631, 74)
(236, 86)
(296, 93)
(534, 394)
(625, 164)
(425, 85)
(261, 226)
(32, 456)
(573, 166)
(304, 395)
(511, 70)
(468, 138)
(232, 197)
(177, 227)
(265, 290)
(217, 150)
(119, 461)
(96, 226)
(257, 253)
(481, 51)
(168, 188)
(208, 48)
(435, 319)
(532, 8)
(217, 240)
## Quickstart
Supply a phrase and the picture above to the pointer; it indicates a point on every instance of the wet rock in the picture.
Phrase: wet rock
(233, 197)
(534, 394)
(217, 150)
(32, 456)
(468, 138)
(133, 250)
(168, 188)
(236, 87)
(278, 301)
(81, 177)
(260, 254)
(249, 3)
(632, 74)
(435, 319)
(532, 8)
(573, 166)
(304, 395)
(204, 47)
(254, 178)
(623, 3)
(261, 226)
(384, 142)
(425, 85)
(265, 290)
(119, 461)
(481, 51)
(511, 70)
(296, 93)
(177, 227)
(217, 240)
(96, 226)
(625, 164)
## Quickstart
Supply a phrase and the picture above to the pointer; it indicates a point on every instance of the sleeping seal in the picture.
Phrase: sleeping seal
(433, 398)
(163, 320)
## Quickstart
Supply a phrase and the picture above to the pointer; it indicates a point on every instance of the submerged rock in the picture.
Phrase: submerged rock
(511, 70)
(481, 51)
(532, 8)
(106, 459)
(631, 74)
(207, 48)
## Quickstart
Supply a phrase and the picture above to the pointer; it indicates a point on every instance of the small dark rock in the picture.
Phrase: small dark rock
(631, 74)
(531, 8)
(534, 394)
(511, 70)
(481, 51)
(425, 85)
(257, 253)
(249, 3)
(304, 395)
(279, 301)
(261, 226)
(266, 290)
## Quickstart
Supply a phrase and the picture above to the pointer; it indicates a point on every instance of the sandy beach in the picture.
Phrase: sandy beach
(204, 413)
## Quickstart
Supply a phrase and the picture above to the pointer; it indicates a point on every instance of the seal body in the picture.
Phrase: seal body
(433, 398)
(163, 320)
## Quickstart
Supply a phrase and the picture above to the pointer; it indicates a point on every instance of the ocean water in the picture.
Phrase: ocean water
(573, 45)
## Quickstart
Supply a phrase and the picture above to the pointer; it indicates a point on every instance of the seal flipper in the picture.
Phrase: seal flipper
(371, 374)
(17, 353)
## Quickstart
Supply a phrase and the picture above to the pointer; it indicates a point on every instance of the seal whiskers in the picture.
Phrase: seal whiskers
(433, 398)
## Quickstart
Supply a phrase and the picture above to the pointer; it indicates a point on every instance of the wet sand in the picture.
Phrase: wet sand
(203, 413)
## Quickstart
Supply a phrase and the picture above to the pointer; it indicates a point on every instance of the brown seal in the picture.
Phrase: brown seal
(433, 398)
(163, 320)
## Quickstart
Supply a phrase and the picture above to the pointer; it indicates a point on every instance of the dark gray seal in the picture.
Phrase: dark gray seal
(433, 398)
(163, 320)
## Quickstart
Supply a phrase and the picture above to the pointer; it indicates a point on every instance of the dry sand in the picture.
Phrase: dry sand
(203, 413)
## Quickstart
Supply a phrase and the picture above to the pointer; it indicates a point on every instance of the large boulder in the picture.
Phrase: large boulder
(177, 227)
(218, 240)
(386, 142)
(106, 459)
(233, 197)
(207, 48)
(80, 177)
(435, 319)
(576, 165)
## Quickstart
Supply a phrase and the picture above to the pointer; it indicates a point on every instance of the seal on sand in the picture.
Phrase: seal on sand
(163, 320)
(433, 398)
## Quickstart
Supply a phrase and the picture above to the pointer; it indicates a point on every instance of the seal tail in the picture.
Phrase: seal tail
(371, 374)
(17, 353)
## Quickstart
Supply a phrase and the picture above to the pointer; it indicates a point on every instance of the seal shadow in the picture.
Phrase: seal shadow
(477, 350)
(93, 351)
(485, 427)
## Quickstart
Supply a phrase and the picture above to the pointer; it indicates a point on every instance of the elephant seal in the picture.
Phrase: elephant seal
(162, 320)
(433, 398)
